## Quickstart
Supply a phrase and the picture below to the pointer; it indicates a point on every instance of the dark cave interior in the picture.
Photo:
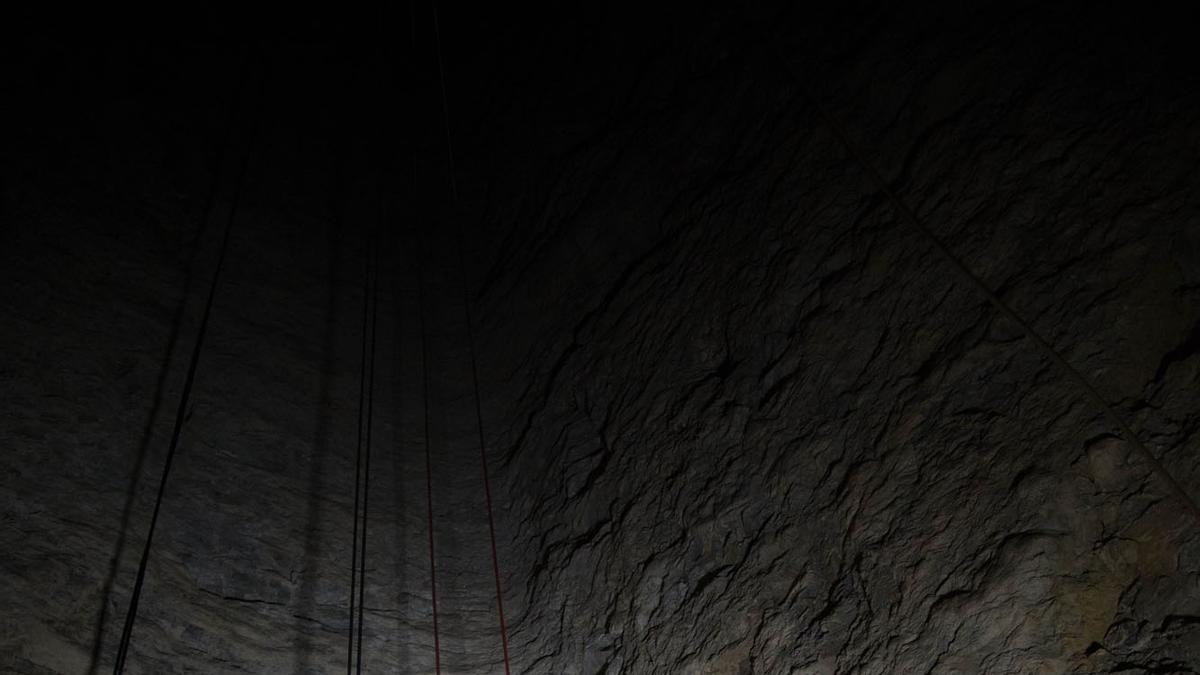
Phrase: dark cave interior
(806, 339)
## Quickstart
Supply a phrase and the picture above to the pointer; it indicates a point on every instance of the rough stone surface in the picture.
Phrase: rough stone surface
(779, 433)
(740, 417)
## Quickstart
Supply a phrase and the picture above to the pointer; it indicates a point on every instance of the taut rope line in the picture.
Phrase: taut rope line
(189, 381)
(487, 490)
(910, 217)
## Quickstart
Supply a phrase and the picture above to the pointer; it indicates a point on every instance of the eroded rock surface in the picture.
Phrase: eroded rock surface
(780, 435)
(741, 418)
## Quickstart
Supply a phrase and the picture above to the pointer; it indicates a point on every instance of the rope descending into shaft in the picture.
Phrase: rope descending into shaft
(362, 556)
(421, 318)
(910, 217)
(193, 364)
(487, 490)
(362, 463)
(437, 645)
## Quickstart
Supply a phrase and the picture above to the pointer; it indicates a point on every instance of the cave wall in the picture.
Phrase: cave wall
(740, 418)
(778, 433)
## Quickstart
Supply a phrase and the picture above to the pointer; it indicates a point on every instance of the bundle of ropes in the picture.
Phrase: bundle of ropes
(368, 343)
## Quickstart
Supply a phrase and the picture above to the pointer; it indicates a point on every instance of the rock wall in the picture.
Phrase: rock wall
(752, 422)
(740, 417)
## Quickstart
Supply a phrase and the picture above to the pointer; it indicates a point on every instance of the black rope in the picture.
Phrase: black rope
(362, 558)
(366, 407)
(422, 321)
(185, 396)
(362, 383)
(222, 147)
(375, 250)
(362, 461)
(910, 217)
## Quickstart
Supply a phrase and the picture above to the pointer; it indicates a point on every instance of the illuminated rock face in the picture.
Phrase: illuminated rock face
(740, 418)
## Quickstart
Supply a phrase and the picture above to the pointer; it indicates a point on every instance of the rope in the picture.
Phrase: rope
(910, 217)
(362, 462)
(487, 490)
(425, 381)
(189, 381)
(362, 392)
(218, 161)
(362, 558)
(437, 646)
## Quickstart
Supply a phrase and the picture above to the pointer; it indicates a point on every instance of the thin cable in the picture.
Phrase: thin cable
(362, 461)
(358, 558)
(909, 216)
(358, 454)
(487, 489)
(225, 140)
(362, 558)
(189, 381)
(437, 645)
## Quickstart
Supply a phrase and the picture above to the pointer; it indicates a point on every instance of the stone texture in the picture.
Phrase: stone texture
(782, 436)
(741, 419)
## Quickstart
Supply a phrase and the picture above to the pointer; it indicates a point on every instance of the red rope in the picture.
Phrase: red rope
(487, 489)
